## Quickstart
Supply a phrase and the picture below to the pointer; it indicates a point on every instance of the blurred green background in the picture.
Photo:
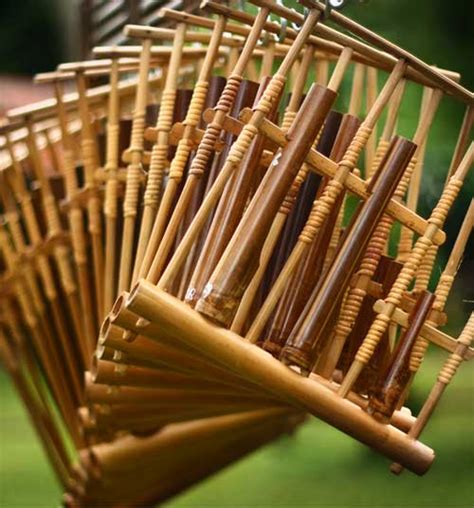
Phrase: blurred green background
(317, 466)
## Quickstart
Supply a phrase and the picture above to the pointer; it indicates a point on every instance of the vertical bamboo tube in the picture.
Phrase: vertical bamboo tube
(422, 245)
(134, 169)
(90, 159)
(198, 165)
(370, 98)
(111, 187)
(58, 463)
(392, 381)
(444, 285)
(239, 261)
(159, 154)
(307, 338)
(377, 244)
(323, 205)
(76, 228)
(54, 367)
(445, 376)
(279, 221)
(406, 235)
(184, 147)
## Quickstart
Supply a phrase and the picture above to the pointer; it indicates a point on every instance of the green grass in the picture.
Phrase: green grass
(318, 466)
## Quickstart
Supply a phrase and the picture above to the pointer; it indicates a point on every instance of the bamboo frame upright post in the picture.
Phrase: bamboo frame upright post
(200, 160)
(134, 169)
(152, 204)
(237, 151)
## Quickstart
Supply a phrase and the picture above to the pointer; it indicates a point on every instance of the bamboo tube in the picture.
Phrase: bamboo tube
(90, 158)
(134, 170)
(159, 151)
(370, 98)
(323, 205)
(239, 148)
(203, 154)
(76, 227)
(58, 462)
(183, 149)
(463, 140)
(111, 188)
(286, 206)
(376, 245)
(436, 221)
(306, 338)
(233, 273)
(392, 381)
(258, 366)
(444, 378)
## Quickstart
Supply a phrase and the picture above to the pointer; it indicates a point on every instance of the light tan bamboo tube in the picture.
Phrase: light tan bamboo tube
(111, 188)
(406, 235)
(268, 58)
(183, 149)
(171, 356)
(134, 170)
(370, 97)
(422, 245)
(60, 252)
(76, 228)
(445, 376)
(159, 153)
(444, 286)
(45, 349)
(58, 464)
(279, 222)
(157, 258)
(236, 153)
(323, 205)
(90, 159)
(463, 140)
(261, 368)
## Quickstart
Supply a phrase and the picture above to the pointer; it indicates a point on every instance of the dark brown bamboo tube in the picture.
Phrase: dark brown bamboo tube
(230, 209)
(299, 290)
(392, 383)
(306, 340)
(224, 289)
(385, 274)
